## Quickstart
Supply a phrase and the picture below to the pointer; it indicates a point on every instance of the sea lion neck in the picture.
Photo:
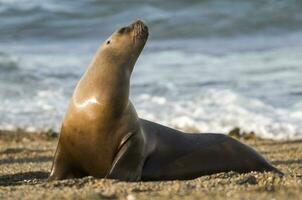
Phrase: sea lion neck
(104, 85)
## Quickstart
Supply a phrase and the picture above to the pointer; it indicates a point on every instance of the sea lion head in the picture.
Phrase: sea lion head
(125, 44)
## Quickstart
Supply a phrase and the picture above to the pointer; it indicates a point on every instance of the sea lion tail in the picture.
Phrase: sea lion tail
(276, 171)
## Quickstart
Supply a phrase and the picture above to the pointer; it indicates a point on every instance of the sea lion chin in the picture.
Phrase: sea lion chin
(102, 136)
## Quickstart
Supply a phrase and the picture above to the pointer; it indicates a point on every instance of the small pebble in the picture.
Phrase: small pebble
(131, 197)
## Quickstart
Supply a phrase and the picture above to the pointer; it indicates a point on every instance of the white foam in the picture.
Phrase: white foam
(221, 111)
(178, 94)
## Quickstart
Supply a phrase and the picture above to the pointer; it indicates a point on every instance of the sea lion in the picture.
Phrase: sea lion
(102, 136)
(101, 127)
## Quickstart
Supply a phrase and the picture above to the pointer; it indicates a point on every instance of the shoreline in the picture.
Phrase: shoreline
(25, 162)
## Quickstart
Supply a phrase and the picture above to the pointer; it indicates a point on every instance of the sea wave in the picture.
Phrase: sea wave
(65, 20)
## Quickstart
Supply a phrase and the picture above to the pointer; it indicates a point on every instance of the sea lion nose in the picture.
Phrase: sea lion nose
(141, 26)
(139, 23)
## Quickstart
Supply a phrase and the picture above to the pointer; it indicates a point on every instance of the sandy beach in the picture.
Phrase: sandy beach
(25, 162)
(206, 66)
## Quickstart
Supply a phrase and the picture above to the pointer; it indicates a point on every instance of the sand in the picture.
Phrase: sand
(25, 162)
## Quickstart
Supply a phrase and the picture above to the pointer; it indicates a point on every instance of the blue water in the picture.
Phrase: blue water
(207, 66)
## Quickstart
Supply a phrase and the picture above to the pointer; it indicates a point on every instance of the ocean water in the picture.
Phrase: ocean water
(208, 66)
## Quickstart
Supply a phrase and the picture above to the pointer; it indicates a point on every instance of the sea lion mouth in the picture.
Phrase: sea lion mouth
(140, 30)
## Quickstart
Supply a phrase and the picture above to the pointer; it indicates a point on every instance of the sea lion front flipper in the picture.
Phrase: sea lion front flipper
(129, 161)
(62, 168)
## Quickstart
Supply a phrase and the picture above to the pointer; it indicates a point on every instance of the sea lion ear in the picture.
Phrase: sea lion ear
(108, 42)
(123, 30)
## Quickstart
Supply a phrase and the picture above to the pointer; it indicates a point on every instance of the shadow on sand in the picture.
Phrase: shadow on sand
(21, 178)
(26, 160)
(21, 150)
(287, 162)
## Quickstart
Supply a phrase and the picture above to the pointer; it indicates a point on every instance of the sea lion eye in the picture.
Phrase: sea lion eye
(108, 42)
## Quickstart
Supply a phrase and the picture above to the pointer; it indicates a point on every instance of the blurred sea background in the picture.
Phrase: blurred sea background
(208, 65)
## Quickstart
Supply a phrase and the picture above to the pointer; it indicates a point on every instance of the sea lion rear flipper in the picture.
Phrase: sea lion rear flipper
(129, 161)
